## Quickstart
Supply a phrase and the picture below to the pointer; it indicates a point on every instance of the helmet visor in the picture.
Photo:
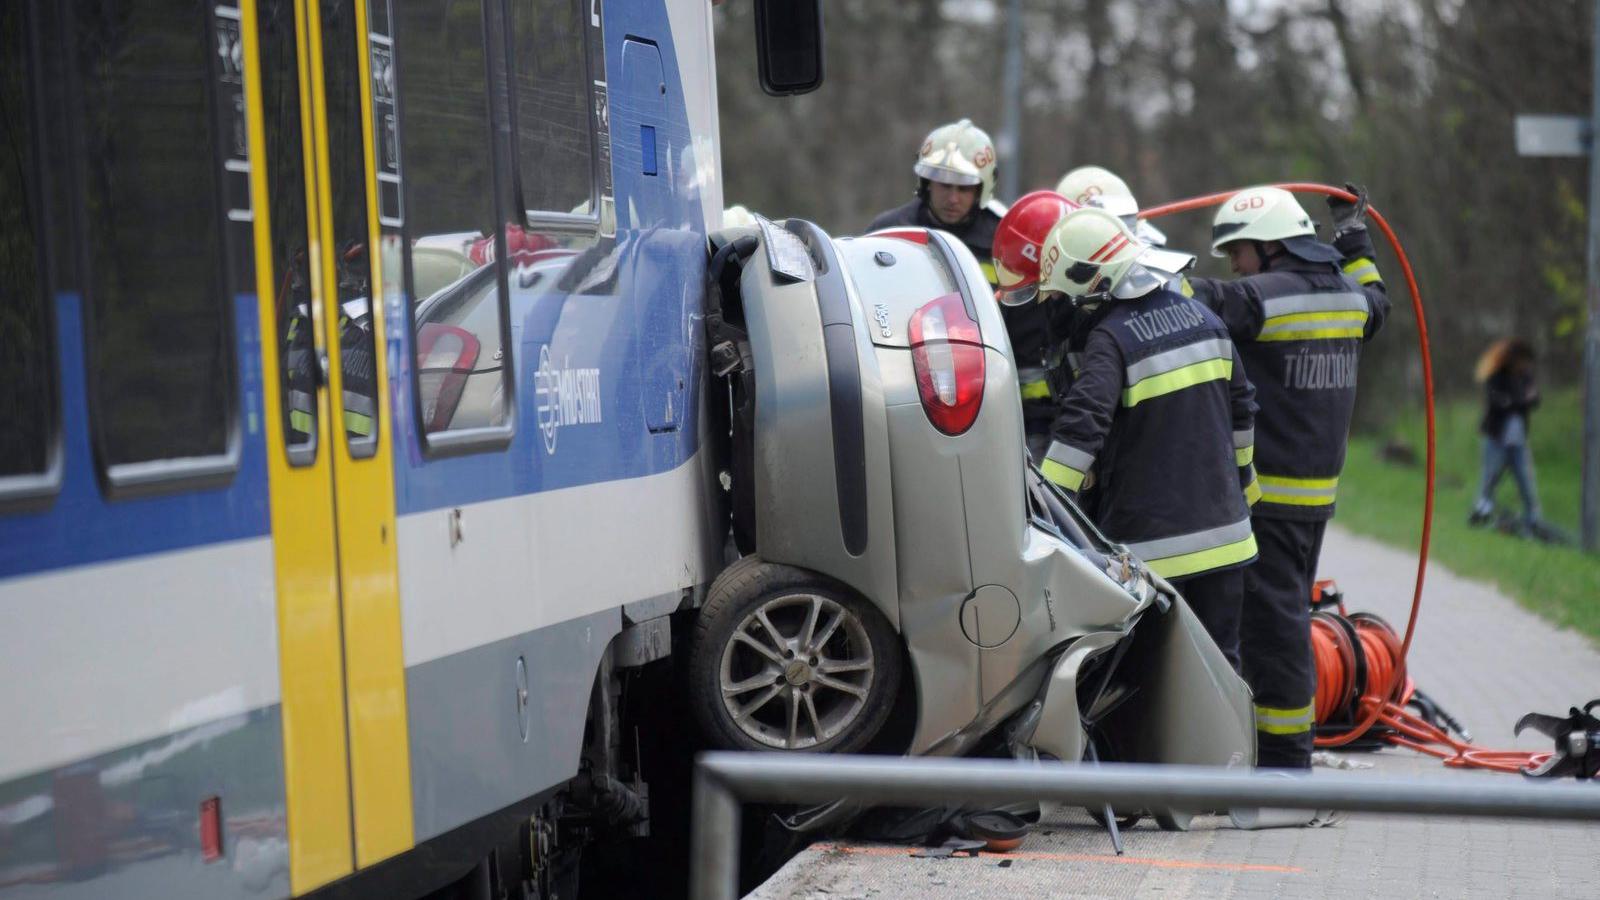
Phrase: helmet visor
(947, 175)
(1224, 233)
(1169, 261)
(1153, 268)
(1144, 231)
(1021, 295)
(1138, 281)
(1008, 278)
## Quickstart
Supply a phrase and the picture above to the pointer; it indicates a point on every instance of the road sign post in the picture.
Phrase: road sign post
(1591, 341)
(1011, 121)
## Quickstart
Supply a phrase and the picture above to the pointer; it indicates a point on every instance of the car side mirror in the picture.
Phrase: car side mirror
(789, 47)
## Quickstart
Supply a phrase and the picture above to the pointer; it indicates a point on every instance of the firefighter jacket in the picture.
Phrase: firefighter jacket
(359, 370)
(1299, 328)
(1159, 419)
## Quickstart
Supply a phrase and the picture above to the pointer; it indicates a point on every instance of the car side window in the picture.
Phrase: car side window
(160, 356)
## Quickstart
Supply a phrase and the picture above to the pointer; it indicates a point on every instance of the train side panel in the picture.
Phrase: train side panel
(265, 629)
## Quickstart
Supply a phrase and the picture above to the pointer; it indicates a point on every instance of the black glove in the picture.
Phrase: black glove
(1348, 215)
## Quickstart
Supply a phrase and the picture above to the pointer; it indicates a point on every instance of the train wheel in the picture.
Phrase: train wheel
(786, 659)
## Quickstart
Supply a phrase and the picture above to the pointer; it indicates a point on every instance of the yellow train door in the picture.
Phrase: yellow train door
(345, 746)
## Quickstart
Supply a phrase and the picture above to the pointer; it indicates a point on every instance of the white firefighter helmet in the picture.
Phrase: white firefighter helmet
(1092, 256)
(1268, 214)
(1096, 186)
(959, 153)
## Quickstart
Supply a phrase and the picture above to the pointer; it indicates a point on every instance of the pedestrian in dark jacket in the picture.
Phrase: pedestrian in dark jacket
(1510, 396)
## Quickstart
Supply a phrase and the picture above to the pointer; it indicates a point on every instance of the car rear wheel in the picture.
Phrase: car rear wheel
(786, 659)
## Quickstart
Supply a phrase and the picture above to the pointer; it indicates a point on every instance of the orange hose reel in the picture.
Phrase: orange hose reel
(1361, 674)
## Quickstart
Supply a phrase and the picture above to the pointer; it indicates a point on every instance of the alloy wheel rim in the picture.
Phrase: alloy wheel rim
(797, 671)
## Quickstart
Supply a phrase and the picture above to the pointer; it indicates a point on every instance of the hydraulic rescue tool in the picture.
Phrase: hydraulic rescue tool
(1577, 739)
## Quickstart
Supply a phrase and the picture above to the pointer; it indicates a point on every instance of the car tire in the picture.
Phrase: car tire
(789, 660)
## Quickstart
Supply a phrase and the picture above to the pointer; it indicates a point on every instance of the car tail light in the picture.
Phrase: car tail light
(445, 355)
(947, 356)
(211, 829)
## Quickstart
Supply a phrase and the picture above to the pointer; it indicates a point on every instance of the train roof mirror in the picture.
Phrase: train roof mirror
(789, 47)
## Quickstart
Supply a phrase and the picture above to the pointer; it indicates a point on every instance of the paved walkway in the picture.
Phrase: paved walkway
(1484, 658)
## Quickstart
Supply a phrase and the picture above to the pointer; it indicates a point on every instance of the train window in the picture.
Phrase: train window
(27, 360)
(555, 156)
(348, 185)
(159, 356)
(453, 221)
(286, 191)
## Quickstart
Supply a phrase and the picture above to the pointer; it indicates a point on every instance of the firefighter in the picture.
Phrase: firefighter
(357, 362)
(1299, 311)
(1155, 414)
(299, 353)
(955, 190)
(1096, 186)
(1038, 331)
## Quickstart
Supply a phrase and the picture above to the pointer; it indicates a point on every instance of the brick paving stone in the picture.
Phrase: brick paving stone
(1481, 656)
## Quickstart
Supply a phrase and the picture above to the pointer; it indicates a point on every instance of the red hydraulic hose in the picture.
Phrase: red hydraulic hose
(1374, 710)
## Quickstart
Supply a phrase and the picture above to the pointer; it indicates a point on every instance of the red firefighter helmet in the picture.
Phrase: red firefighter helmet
(1016, 243)
(522, 246)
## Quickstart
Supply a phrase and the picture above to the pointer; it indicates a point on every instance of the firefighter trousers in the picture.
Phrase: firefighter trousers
(1275, 639)
(1217, 599)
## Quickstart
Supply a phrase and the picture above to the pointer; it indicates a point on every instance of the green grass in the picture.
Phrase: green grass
(1383, 499)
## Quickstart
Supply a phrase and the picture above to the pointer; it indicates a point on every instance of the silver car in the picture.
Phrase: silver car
(908, 583)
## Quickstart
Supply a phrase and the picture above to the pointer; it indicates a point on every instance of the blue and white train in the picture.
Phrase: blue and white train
(351, 438)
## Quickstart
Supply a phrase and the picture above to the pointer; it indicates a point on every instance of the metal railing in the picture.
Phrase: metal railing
(723, 781)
